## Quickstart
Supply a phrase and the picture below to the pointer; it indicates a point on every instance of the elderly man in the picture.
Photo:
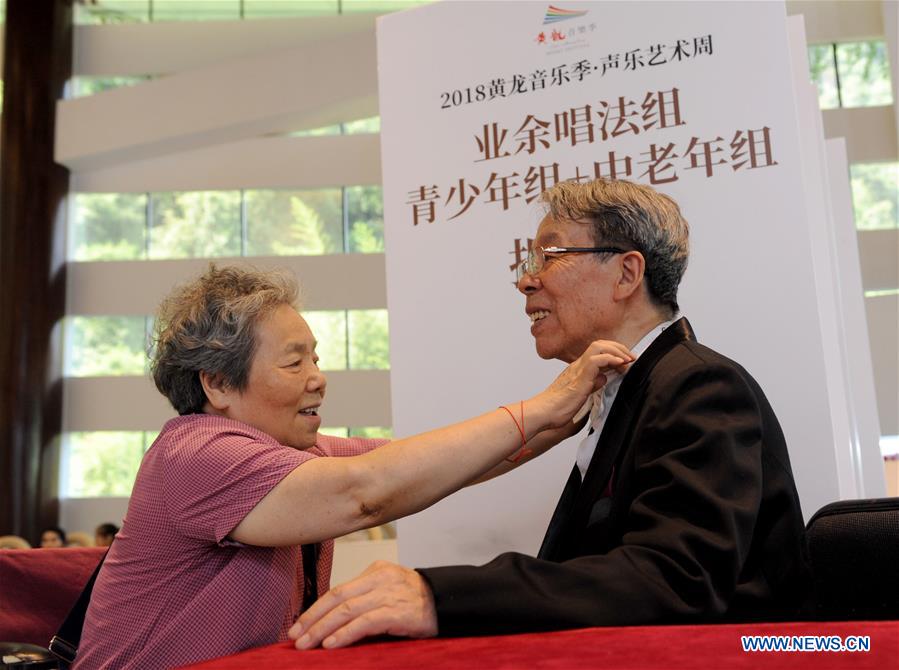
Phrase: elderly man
(681, 506)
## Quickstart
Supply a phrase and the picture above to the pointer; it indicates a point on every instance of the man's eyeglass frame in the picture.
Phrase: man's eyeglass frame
(535, 261)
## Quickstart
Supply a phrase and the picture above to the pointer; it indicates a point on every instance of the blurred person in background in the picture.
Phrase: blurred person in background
(13, 542)
(79, 538)
(105, 534)
(53, 537)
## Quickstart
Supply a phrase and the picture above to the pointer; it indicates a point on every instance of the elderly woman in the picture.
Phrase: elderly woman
(227, 535)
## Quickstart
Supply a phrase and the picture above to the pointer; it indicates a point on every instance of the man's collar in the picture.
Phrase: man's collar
(605, 395)
(650, 335)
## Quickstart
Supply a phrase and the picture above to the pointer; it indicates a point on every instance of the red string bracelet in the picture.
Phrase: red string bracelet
(524, 451)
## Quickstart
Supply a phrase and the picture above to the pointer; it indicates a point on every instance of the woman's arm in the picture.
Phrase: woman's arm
(539, 444)
(547, 439)
(329, 497)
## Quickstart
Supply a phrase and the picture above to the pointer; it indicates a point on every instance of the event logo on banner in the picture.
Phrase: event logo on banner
(484, 106)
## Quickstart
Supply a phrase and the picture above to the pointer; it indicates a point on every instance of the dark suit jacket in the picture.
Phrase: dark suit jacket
(703, 523)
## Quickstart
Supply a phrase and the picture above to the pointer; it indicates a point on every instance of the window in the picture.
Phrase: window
(823, 68)
(198, 224)
(208, 224)
(105, 463)
(100, 346)
(370, 432)
(864, 74)
(875, 195)
(132, 11)
(212, 224)
(329, 329)
(80, 87)
(365, 219)
(115, 346)
(368, 341)
(295, 223)
(102, 463)
(851, 74)
(108, 226)
(360, 126)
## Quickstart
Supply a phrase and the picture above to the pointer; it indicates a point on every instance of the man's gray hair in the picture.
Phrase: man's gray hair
(634, 217)
(210, 325)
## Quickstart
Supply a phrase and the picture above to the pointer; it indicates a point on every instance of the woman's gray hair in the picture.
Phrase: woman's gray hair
(210, 325)
(631, 216)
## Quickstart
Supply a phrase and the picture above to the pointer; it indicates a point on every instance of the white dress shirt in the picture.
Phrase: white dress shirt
(603, 399)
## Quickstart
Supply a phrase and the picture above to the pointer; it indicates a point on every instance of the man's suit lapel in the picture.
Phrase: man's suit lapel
(561, 536)
(559, 521)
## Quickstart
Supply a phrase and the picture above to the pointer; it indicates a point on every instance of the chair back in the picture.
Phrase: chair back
(854, 552)
(38, 588)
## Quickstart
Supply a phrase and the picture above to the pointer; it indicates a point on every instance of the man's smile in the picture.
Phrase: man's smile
(538, 315)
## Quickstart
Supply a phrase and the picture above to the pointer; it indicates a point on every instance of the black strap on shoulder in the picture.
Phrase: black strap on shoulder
(310, 574)
(64, 644)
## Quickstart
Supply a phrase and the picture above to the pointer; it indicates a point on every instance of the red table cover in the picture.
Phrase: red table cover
(631, 648)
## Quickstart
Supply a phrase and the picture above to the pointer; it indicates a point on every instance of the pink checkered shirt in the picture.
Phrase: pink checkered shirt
(174, 589)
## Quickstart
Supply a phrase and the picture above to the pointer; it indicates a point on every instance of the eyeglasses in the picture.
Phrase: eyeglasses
(536, 258)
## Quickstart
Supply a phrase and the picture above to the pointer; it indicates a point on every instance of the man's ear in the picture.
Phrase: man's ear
(633, 267)
(217, 392)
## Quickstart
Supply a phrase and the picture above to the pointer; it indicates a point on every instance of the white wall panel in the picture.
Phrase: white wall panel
(856, 352)
(340, 281)
(171, 46)
(820, 221)
(350, 557)
(883, 329)
(268, 162)
(870, 132)
(275, 92)
(354, 398)
(839, 20)
(879, 253)
(85, 514)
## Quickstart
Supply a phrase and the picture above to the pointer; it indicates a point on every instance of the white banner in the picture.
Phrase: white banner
(483, 105)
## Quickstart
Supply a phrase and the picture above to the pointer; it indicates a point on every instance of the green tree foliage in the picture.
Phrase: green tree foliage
(127, 11)
(379, 6)
(824, 74)
(108, 226)
(85, 86)
(372, 432)
(329, 329)
(368, 347)
(334, 431)
(370, 125)
(334, 129)
(104, 345)
(369, 342)
(197, 224)
(875, 195)
(863, 69)
(365, 217)
(103, 463)
(112, 11)
(294, 223)
(864, 74)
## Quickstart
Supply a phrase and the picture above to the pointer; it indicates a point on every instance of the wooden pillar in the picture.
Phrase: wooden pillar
(33, 190)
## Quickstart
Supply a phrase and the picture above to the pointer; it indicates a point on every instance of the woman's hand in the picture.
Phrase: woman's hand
(567, 394)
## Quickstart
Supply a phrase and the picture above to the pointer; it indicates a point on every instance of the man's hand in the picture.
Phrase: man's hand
(385, 599)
